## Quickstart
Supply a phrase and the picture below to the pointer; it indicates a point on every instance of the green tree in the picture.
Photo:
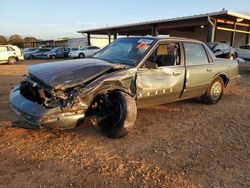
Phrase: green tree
(3, 39)
(15, 39)
(30, 39)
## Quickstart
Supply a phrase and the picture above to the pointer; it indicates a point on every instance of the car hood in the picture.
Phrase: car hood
(67, 74)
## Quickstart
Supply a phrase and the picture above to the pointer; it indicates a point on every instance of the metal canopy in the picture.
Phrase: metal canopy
(144, 28)
(223, 20)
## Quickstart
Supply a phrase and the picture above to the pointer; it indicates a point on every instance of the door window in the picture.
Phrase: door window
(164, 55)
(195, 54)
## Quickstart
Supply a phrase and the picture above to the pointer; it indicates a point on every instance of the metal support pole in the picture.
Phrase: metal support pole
(248, 36)
(233, 35)
(115, 36)
(88, 39)
(211, 30)
(154, 30)
(109, 39)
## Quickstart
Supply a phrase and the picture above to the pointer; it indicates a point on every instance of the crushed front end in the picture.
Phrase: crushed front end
(45, 107)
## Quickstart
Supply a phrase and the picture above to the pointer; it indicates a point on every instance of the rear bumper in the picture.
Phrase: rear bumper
(40, 117)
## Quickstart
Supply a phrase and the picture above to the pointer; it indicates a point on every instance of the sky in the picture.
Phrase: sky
(51, 19)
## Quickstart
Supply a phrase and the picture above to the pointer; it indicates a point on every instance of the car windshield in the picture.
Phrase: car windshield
(211, 45)
(126, 51)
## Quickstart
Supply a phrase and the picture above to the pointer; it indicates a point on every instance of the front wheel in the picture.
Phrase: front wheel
(214, 92)
(119, 115)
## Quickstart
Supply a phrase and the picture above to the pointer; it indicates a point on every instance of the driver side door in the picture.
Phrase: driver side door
(163, 83)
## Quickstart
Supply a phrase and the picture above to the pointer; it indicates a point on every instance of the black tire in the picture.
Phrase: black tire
(81, 55)
(214, 92)
(12, 60)
(53, 57)
(122, 116)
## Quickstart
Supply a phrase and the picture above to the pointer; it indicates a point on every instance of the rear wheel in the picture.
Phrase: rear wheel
(81, 55)
(118, 114)
(12, 60)
(214, 92)
(53, 57)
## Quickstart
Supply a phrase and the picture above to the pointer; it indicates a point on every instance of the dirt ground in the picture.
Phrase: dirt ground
(182, 144)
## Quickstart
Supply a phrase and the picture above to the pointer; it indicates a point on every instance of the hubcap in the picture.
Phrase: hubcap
(216, 90)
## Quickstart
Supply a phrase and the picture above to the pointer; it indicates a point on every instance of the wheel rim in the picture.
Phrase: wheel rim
(216, 90)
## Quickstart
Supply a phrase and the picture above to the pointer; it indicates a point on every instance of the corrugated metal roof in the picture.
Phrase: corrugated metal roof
(223, 12)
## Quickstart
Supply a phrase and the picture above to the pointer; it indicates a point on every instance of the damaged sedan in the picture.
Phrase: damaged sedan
(128, 74)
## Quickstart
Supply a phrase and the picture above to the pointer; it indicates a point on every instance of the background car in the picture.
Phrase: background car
(27, 50)
(222, 50)
(39, 53)
(10, 54)
(87, 51)
(243, 52)
(59, 52)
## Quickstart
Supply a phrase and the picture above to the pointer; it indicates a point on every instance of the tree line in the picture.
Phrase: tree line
(16, 39)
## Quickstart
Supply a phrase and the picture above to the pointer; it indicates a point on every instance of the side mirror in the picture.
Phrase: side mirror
(151, 65)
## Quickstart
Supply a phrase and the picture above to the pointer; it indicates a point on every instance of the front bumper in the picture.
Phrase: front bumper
(40, 117)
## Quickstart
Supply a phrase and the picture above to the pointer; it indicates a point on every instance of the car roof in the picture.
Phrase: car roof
(162, 38)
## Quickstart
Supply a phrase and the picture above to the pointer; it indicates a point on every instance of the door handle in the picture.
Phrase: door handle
(209, 70)
(176, 73)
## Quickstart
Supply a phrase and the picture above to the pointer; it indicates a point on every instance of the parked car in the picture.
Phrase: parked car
(243, 52)
(87, 51)
(59, 52)
(129, 73)
(36, 54)
(222, 50)
(27, 50)
(10, 54)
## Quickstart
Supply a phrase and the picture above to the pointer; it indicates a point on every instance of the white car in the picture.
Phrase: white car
(10, 54)
(87, 51)
(243, 52)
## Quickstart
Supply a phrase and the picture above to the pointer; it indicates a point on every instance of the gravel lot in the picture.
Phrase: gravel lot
(182, 144)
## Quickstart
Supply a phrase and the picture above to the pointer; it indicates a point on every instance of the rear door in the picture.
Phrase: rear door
(163, 83)
(199, 70)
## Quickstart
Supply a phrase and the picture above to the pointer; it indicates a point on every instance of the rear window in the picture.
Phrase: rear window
(195, 54)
